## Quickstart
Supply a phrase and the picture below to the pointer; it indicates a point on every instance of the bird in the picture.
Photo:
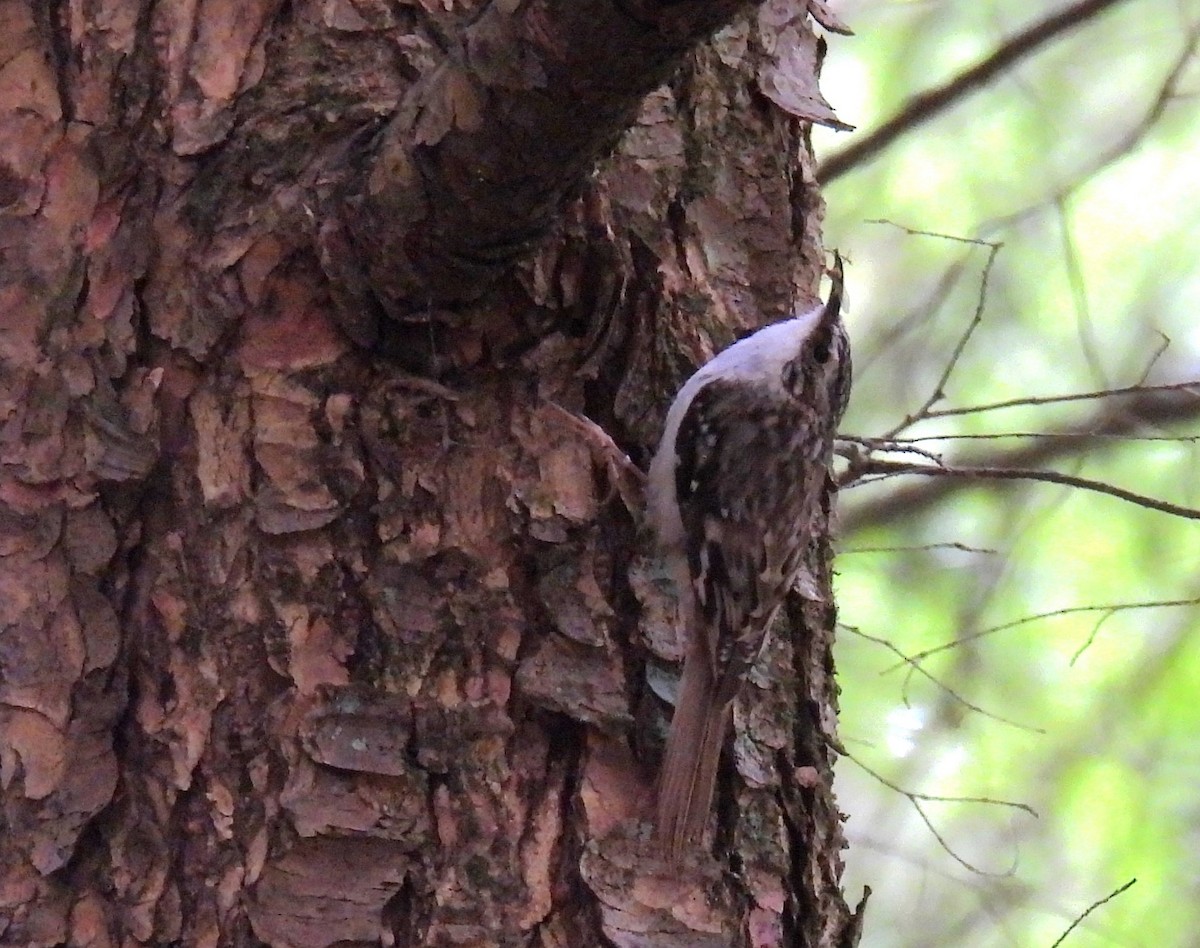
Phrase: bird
(739, 476)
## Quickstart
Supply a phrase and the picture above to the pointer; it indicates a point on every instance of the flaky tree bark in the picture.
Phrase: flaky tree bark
(321, 624)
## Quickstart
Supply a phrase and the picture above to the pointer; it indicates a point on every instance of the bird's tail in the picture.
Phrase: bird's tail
(689, 770)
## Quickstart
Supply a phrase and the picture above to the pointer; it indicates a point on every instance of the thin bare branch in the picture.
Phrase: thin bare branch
(1079, 298)
(1091, 637)
(904, 444)
(939, 390)
(878, 466)
(899, 446)
(922, 310)
(919, 669)
(916, 798)
(924, 547)
(932, 798)
(1091, 908)
(1142, 407)
(917, 315)
(1163, 345)
(927, 105)
(940, 235)
(914, 661)
(1192, 387)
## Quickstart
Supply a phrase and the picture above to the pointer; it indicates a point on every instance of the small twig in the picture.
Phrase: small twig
(1091, 908)
(920, 312)
(1077, 286)
(1056, 399)
(1091, 637)
(961, 547)
(874, 466)
(939, 390)
(916, 798)
(1155, 406)
(904, 444)
(1163, 345)
(886, 444)
(915, 665)
(940, 235)
(916, 659)
(933, 798)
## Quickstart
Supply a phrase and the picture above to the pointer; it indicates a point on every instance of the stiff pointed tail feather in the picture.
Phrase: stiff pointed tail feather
(689, 770)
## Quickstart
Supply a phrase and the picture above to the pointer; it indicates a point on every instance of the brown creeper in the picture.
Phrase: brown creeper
(732, 490)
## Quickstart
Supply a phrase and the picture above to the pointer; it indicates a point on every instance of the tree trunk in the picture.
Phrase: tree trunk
(322, 624)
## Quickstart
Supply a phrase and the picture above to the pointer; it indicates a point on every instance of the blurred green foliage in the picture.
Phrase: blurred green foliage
(1091, 718)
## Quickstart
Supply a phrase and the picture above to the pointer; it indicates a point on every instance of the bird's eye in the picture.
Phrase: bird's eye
(821, 352)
